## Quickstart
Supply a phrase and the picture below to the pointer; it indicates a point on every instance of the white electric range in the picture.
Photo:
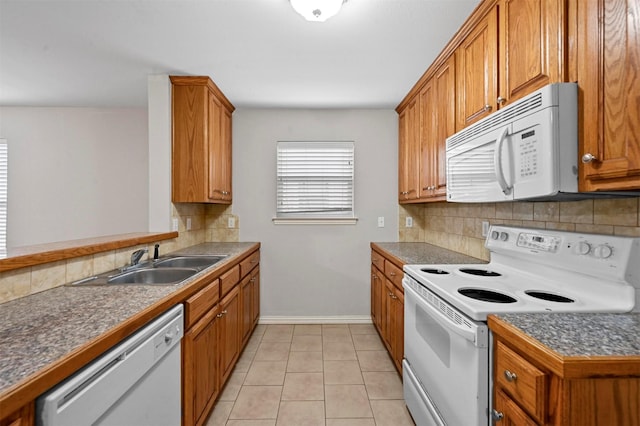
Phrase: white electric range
(447, 366)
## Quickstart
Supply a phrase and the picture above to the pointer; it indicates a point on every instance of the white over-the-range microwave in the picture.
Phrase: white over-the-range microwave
(527, 150)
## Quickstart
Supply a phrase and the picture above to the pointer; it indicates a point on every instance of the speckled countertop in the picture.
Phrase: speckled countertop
(582, 334)
(421, 253)
(37, 330)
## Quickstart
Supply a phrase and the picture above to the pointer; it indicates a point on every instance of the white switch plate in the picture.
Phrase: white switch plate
(381, 222)
(188, 224)
(408, 222)
(485, 228)
(231, 223)
(174, 224)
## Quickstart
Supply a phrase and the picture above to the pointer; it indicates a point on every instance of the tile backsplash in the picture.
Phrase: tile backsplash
(208, 224)
(458, 226)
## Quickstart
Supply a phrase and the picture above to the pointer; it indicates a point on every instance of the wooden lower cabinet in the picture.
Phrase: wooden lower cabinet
(22, 417)
(387, 305)
(533, 385)
(217, 331)
(201, 369)
(230, 329)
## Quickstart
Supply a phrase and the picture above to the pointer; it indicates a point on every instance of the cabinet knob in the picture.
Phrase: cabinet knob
(588, 157)
(224, 312)
(219, 316)
(426, 188)
(511, 377)
(501, 100)
(487, 107)
(497, 415)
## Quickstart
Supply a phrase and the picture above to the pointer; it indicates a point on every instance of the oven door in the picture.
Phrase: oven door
(448, 359)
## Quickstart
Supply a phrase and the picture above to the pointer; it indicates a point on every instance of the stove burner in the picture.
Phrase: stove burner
(486, 295)
(480, 272)
(434, 271)
(548, 296)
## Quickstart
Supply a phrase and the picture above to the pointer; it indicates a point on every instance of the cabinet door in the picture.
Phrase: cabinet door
(219, 157)
(230, 331)
(428, 125)
(408, 152)
(608, 64)
(376, 297)
(189, 171)
(398, 325)
(531, 34)
(255, 284)
(246, 298)
(388, 315)
(508, 413)
(476, 72)
(22, 417)
(201, 376)
(444, 82)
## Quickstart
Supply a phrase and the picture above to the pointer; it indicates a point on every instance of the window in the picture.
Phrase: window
(315, 182)
(4, 161)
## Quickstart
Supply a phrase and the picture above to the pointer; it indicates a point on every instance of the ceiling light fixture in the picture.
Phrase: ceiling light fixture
(317, 10)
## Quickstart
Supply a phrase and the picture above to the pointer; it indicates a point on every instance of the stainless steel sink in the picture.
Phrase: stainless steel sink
(153, 276)
(164, 271)
(192, 261)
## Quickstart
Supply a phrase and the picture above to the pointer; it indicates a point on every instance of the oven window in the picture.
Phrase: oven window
(435, 336)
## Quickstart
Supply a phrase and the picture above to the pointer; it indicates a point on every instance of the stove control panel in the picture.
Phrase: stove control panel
(539, 242)
(608, 256)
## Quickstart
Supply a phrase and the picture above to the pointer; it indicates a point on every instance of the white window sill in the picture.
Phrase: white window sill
(315, 220)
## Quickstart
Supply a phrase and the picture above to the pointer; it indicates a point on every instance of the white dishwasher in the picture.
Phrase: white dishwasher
(135, 383)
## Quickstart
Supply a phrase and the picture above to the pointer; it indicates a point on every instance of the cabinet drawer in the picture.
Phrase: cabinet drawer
(377, 260)
(393, 273)
(229, 279)
(525, 383)
(201, 302)
(249, 263)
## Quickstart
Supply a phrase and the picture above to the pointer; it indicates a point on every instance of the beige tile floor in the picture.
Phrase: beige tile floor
(307, 375)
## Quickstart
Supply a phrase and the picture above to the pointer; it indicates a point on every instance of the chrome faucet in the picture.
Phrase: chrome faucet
(137, 255)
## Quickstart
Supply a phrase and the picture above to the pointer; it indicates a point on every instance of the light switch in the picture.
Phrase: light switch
(231, 223)
(188, 224)
(381, 222)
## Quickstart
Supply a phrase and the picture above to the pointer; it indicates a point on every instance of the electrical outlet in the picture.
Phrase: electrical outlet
(485, 228)
(408, 222)
(231, 222)
(188, 224)
(174, 224)
(381, 222)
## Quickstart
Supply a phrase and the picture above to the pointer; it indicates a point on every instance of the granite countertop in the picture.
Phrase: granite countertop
(582, 334)
(37, 330)
(423, 253)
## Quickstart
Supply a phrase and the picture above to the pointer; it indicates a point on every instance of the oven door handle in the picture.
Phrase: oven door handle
(469, 334)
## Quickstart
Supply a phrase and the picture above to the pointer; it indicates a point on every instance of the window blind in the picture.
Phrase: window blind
(4, 169)
(315, 179)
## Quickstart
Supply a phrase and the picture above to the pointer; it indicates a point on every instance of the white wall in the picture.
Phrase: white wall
(315, 271)
(75, 172)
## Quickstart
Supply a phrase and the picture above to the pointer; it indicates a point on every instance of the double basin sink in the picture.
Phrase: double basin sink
(164, 271)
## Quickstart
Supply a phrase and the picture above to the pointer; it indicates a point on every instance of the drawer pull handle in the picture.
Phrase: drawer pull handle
(511, 377)
(497, 415)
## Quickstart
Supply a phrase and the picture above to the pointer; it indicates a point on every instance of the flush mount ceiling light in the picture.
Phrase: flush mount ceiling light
(317, 10)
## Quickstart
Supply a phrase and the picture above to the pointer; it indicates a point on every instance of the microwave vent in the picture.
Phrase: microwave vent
(504, 116)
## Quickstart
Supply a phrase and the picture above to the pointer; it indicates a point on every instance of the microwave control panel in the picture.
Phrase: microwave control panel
(528, 143)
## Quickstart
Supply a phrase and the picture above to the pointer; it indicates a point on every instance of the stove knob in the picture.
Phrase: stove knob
(495, 234)
(504, 236)
(583, 248)
(603, 251)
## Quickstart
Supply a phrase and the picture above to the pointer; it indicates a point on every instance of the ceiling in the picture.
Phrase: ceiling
(259, 52)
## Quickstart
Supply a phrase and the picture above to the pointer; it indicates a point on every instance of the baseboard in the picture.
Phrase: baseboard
(345, 319)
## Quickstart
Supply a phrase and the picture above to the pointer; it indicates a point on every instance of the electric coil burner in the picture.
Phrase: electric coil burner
(479, 272)
(486, 295)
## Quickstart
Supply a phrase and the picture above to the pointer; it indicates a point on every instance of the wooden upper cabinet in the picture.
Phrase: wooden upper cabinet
(201, 145)
(408, 152)
(476, 71)
(531, 36)
(608, 64)
(516, 48)
(428, 124)
(444, 82)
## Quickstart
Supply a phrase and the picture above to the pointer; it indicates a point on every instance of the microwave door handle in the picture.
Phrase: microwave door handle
(497, 160)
